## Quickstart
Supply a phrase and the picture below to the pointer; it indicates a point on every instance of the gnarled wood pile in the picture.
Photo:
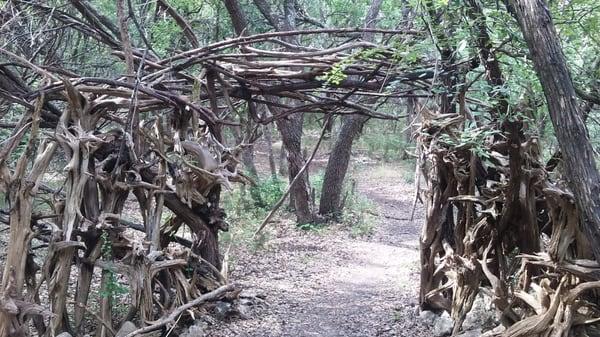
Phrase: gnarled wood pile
(501, 221)
(149, 143)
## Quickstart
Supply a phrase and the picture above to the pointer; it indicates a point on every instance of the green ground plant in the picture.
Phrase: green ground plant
(384, 140)
(112, 287)
(358, 214)
(246, 207)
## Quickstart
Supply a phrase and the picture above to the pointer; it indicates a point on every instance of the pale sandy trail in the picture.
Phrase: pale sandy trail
(333, 285)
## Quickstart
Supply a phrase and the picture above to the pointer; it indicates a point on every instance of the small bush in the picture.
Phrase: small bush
(358, 215)
(316, 182)
(247, 207)
(267, 193)
(316, 227)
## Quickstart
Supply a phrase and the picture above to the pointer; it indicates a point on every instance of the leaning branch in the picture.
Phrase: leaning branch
(213, 295)
(296, 178)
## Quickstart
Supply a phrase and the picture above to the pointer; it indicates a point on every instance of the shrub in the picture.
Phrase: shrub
(358, 215)
(266, 193)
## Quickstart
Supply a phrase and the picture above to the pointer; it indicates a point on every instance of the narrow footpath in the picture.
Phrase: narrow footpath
(331, 284)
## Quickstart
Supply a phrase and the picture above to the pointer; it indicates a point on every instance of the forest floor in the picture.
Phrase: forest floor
(329, 282)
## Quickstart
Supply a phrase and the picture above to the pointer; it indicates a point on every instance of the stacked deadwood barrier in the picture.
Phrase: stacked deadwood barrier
(501, 221)
(150, 142)
(498, 218)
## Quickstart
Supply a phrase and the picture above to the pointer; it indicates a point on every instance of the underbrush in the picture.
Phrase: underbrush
(404, 170)
(384, 140)
(358, 215)
(246, 207)
(357, 212)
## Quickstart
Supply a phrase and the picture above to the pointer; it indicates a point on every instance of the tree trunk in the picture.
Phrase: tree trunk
(282, 162)
(237, 16)
(23, 187)
(411, 114)
(337, 165)
(269, 140)
(291, 135)
(248, 151)
(550, 64)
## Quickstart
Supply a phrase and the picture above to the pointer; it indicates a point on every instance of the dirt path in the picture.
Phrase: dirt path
(327, 283)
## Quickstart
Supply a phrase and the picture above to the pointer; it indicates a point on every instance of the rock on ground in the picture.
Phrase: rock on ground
(127, 328)
(443, 325)
(196, 330)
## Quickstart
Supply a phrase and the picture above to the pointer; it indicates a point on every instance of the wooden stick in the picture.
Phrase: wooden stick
(287, 192)
(265, 36)
(95, 315)
(173, 315)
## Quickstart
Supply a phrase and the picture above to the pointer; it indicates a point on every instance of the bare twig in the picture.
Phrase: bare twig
(172, 317)
(300, 173)
(95, 315)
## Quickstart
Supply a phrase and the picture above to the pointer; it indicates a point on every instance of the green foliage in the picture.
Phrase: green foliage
(336, 74)
(409, 54)
(311, 227)
(164, 35)
(472, 138)
(358, 214)
(112, 287)
(266, 193)
(316, 182)
(390, 147)
(246, 209)
(384, 140)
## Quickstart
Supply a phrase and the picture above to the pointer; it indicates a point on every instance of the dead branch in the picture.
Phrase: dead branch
(172, 317)
(287, 191)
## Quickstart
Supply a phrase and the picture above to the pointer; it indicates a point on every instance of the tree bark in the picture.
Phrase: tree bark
(291, 135)
(269, 141)
(339, 159)
(282, 161)
(550, 64)
(237, 16)
(337, 165)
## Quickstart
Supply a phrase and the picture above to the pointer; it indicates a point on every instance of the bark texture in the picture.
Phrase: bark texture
(337, 165)
(339, 159)
(567, 119)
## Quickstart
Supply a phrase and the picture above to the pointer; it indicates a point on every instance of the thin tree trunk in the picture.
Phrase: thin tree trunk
(248, 152)
(237, 16)
(339, 159)
(282, 162)
(269, 140)
(411, 113)
(291, 135)
(337, 165)
(551, 67)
